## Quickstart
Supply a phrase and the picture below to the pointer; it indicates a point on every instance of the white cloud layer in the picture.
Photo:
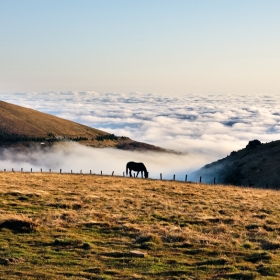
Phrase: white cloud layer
(75, 157)
(206, 128)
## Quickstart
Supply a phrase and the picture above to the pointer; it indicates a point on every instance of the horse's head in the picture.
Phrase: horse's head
(146, 174)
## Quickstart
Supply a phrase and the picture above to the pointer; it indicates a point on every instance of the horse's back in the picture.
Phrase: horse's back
(132, 164)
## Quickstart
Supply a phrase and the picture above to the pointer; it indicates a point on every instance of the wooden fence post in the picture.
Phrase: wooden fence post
(41, 170)
(123, 174)
(31, 170)
(21, 169)
(50, 170)
(214, 180)
(71, 171)
(81, 171)
(174, 177)
(113, 173)
(90, 172)
(12, 169)
(101, 173)
(200, 179)
(186, 178)
(60, 170)
(160, 176)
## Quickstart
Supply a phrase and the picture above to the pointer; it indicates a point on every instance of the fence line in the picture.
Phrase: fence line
(112, 174)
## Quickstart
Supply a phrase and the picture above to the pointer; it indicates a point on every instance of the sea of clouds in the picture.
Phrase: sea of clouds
(204, 128)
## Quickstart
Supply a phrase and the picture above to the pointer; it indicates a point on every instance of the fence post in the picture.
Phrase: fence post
(21, 169)
(186, 178)
(160, 176)
(4, 170)
(41, 170)
(101, 173)
(71, 171)
(31, 170)
(12, 169)
(90, 172)
(113, 173)
(81, 171)
(50, 170)
(214, 180)
(200, 179)
(123, 174)
(174, 177)
(60, 170)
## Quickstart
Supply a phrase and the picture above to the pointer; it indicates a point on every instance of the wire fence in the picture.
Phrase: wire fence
(31, 170)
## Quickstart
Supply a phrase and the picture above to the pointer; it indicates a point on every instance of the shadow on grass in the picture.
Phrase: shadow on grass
(18, 226)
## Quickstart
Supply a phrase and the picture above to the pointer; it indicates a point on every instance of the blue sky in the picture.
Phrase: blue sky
(157, 46)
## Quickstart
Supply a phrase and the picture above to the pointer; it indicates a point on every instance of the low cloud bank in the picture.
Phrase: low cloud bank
(75, 157)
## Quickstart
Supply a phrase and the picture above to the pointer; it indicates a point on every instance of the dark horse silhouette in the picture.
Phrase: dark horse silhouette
(136, 166)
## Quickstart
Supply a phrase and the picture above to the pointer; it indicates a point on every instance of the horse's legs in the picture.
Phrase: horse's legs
(137, 174)
(130, 172)
(142, 173)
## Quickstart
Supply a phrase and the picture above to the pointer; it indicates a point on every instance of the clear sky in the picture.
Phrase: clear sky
(151, 46)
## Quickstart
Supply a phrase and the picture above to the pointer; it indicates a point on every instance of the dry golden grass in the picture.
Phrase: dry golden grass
(85, 226)
(24, 121)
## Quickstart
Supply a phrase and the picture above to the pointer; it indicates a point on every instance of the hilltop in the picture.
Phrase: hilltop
(257, 165)
(21, 126)
(75, 226)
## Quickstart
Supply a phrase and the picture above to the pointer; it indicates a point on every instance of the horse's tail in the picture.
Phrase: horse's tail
(127, 169)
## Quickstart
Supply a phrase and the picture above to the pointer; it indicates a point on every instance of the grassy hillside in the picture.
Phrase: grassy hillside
(254, 166)
(23, 121)
(19, 125)
(63, 226)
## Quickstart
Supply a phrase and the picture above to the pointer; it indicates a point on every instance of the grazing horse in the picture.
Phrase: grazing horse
(136, 166)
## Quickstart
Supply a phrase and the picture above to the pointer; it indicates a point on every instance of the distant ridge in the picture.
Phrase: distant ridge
(257, 165)
(20, 126)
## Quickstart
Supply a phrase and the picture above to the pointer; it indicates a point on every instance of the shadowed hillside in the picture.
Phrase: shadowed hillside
(19, 125)
(257, 165)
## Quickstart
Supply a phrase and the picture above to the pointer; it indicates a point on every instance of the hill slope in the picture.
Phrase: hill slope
(63, 226)
(257, 165)
(22, 125)
(23, 121)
